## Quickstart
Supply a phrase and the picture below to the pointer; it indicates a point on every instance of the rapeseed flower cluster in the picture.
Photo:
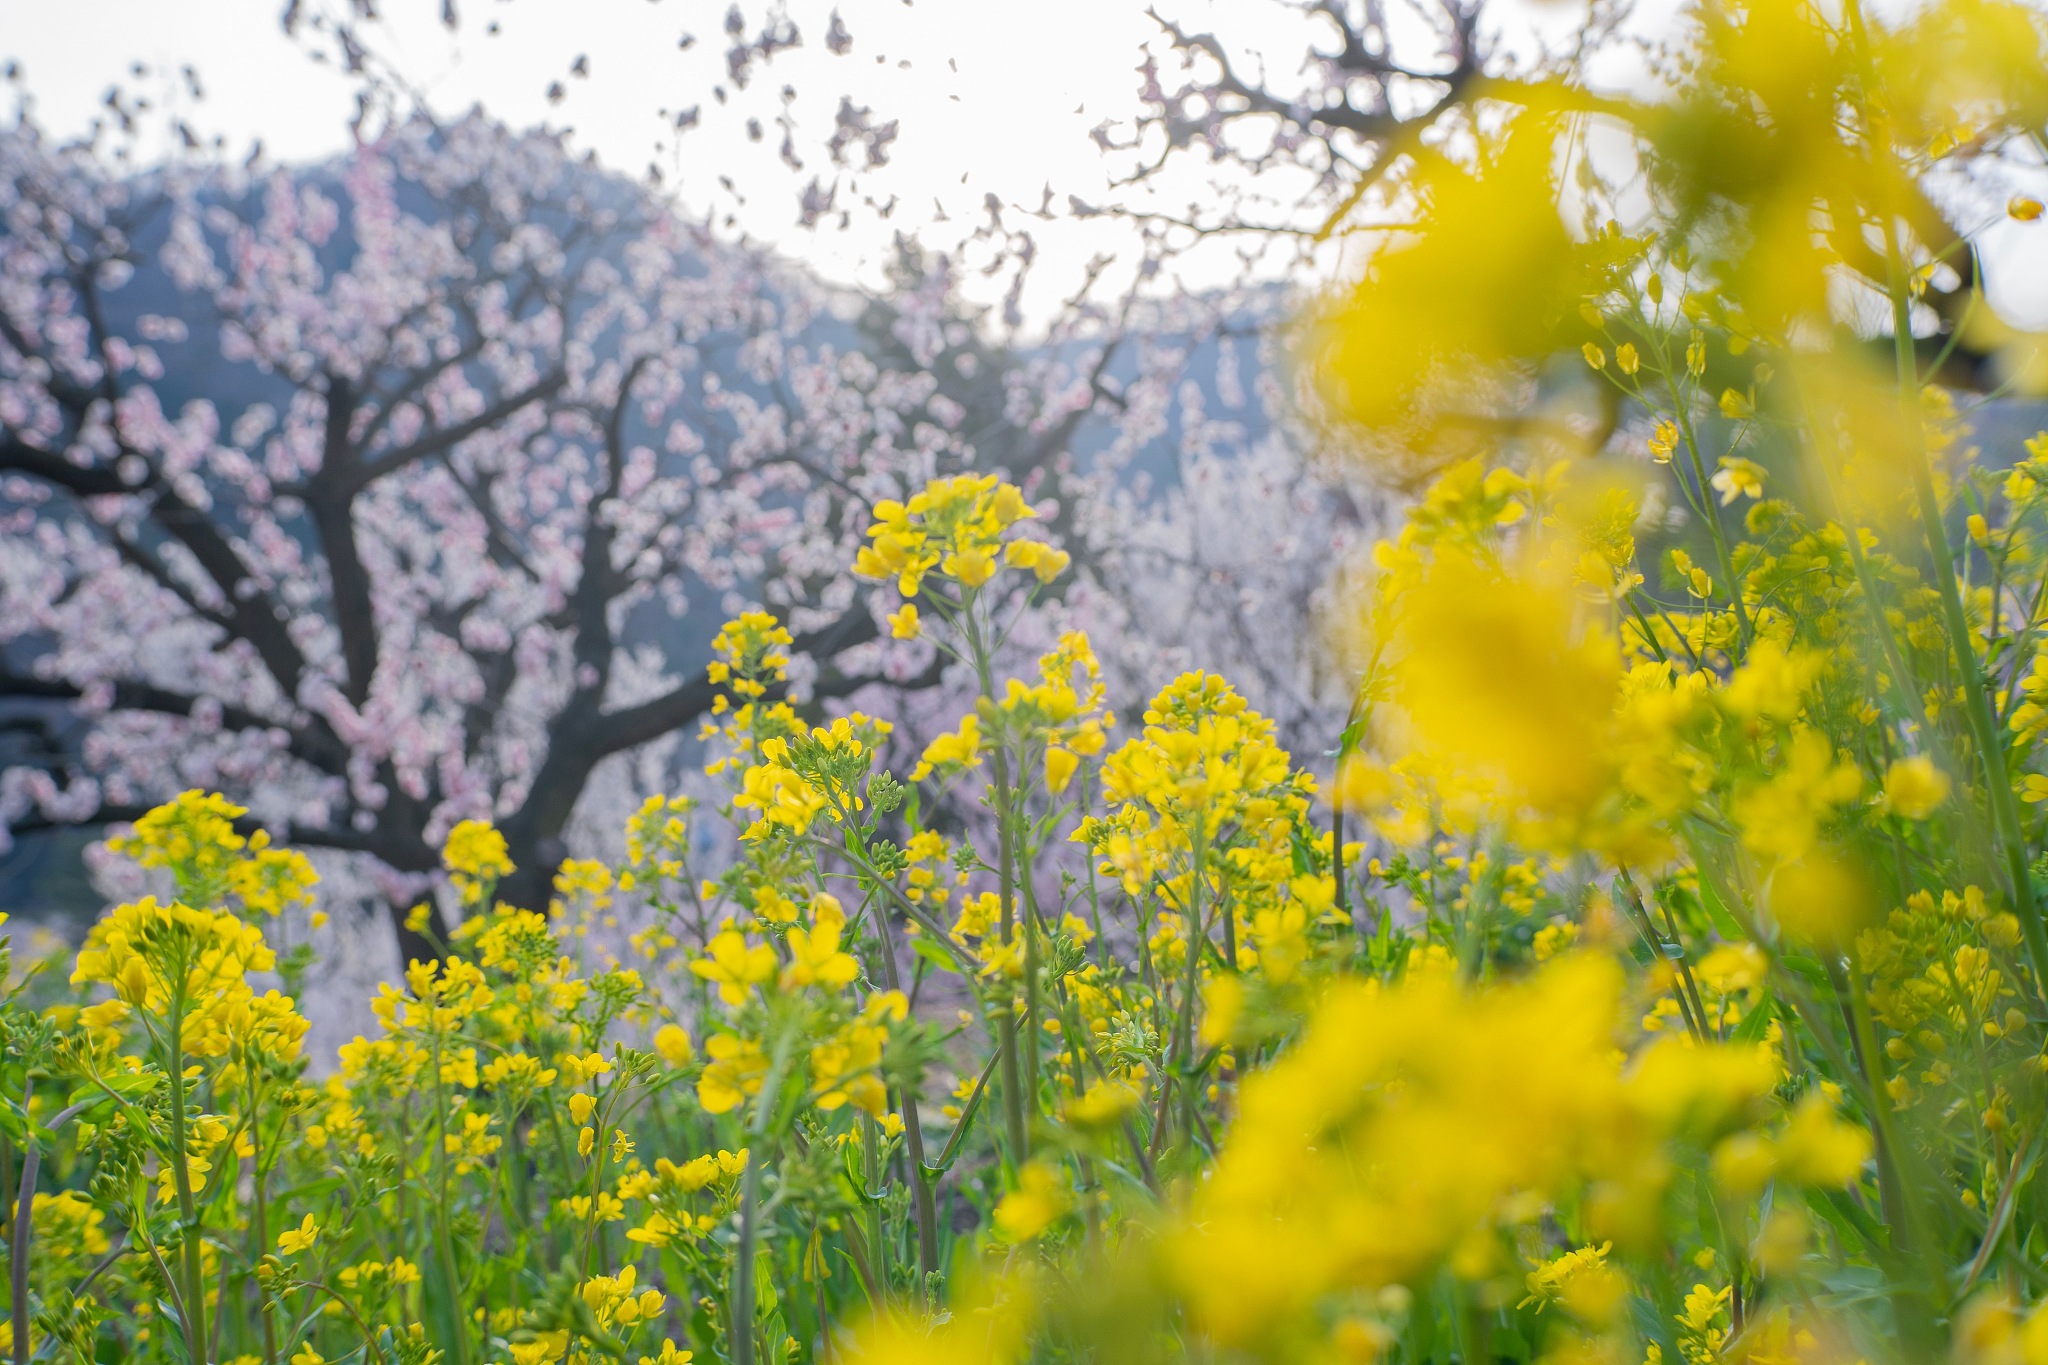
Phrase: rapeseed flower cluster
(954, 526)
(1653, 970)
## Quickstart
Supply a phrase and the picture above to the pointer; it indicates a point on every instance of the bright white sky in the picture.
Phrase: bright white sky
(993, 96)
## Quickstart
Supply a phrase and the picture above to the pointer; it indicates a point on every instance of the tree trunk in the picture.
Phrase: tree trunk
(413, 945)
(535, 862)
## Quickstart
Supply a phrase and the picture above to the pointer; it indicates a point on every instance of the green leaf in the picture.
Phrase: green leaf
(92, 1097)
(439, 1297)
(312, 1189)
(931, 952)
(856, 1180)
(1807, 966)
(127, 1085)
(1725, 924)
(1751, 1029)
(170, 1314)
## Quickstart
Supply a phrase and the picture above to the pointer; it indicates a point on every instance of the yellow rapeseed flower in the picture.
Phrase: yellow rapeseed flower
(292, 1241)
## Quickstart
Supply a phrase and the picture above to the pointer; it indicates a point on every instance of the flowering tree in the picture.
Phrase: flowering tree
(376, 497)
(367, 499)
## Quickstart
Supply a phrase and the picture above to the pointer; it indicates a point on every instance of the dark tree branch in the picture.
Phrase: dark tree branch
(319, 749)
(84, 481)
(581, 742)
(447, 438)
(330, 501)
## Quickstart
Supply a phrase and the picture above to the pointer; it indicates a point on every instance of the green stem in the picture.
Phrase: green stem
(262, 1228)
(1632, 902)
(871, 1179)
(913, 1125)
(193, 1271)
(1912, 1305)
(1711, 514)
(1006, 1021)
(24, 1225)
(369, 1337)
(1032, 1030)
(2005, 814)
(1195, 939)
(743, 1292)
(444, 1243)
(1014, 1124)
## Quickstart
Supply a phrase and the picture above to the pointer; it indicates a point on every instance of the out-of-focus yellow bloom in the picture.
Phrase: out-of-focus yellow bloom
(1738, 478)
(1781, 817)
(1914, 788)
(672, 1044)
(1994, 1330)
(1481, 282)
(1031, 1208)
(1103, 1104)
(845, 1066)
(736, 1068)
(1820, 898)
(985, 1327)
(1815, 1148)
(67, 1222)
(1773, 681)
(1060, 766)
(1500, 683)
(1375, 1151)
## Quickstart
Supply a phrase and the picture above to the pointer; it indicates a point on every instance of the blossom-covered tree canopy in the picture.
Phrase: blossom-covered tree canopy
(384, 495)
(363, 496)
